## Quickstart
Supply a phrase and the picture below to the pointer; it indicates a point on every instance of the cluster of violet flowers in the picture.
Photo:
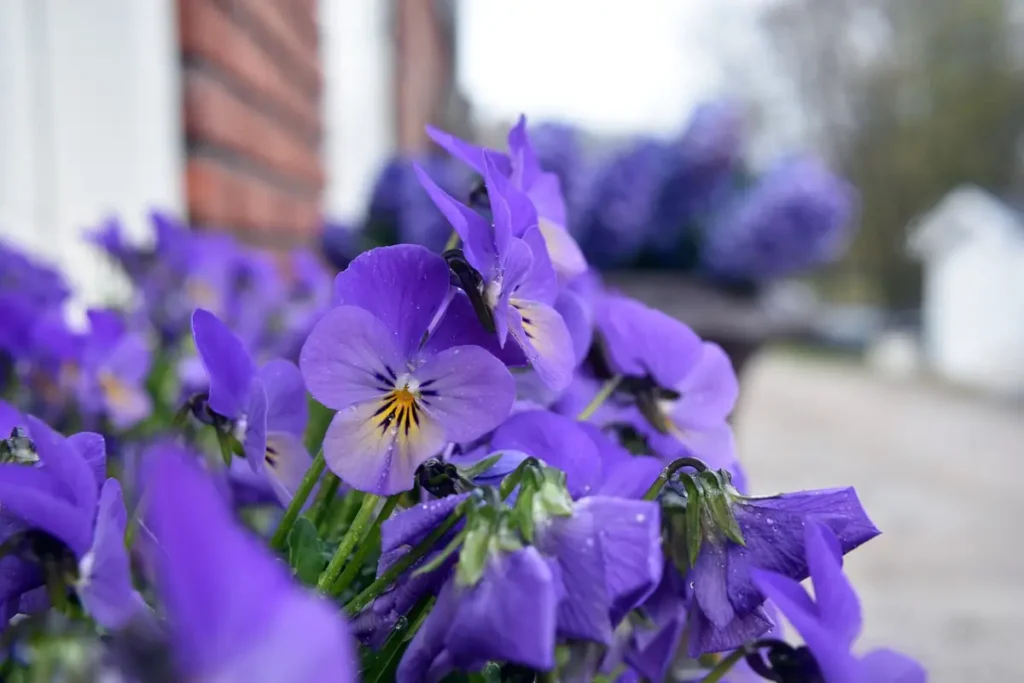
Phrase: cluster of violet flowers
(690, 203)
(484, 466)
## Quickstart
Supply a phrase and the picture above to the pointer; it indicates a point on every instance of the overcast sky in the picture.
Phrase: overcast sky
(610, 65)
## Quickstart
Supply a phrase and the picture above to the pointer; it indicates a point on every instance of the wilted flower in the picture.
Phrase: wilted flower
(399, 399)
(233, 612)
(829, 624)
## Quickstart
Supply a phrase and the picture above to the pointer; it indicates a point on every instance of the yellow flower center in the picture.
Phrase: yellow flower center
(399, 410)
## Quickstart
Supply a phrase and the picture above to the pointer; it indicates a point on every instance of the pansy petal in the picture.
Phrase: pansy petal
(63, 463)
(709, 584)
(412, 525)
(837, 601)
(629, 478)
(642, 341)
(227, 363)
(475, 232)
(566, 255)
(525, 166)
(706, 638)
(494, 622)
(629, 535)
(888, 666)
(130, 359)
(402, 285)
(93, 450)
(578, 321)
(544, 338)
(425, 661)
(254, 442)
(34, 497)
(105, 580)
(286, 462)
(349, 357)
(468, 153)
(460, 326)
(466, 390)
(374, 457)
(514, 213)
(287, 407)
(541, 283)
(708, 393)
(715, 444)
(556, 440)
(583, 611)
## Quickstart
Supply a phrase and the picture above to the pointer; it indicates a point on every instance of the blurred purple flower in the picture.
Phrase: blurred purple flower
(112, 378)
(797, 216)
(61, 495)
(399, 398)
(233, 612)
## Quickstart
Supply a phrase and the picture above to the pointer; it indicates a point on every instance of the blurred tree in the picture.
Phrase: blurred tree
(909, 98)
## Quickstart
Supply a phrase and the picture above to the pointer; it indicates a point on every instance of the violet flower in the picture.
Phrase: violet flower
(62, 497)
(471, 625)
(114, 367)
(829, 623)
(798, 215)
(724, 612)
(265, 409)
(522, 168)
(519, 286)
(399, 399)
(233, 612)
(685, 388)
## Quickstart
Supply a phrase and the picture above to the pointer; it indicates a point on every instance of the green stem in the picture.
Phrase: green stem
(352, 536)
(316, 468)
(363, 549)
(671, 469)
(325, 497)
(723, 666)
(409, 559)
(599, 398)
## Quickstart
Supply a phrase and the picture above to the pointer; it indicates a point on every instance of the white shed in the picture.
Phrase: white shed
(972, 248)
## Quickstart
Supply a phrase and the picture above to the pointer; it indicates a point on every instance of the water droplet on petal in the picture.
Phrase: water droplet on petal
(641, 517)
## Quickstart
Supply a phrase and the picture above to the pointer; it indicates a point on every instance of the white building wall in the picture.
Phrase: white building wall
(974, 314)
(359, 111)
(89, 124)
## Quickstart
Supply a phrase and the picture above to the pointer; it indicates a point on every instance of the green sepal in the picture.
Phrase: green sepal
(719, 506)
(228, 447)
(473, 556)
(305, 551)
(480, 467)
(694, 504)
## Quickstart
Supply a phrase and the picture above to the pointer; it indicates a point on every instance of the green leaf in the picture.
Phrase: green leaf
(305, 552)
(720, 506)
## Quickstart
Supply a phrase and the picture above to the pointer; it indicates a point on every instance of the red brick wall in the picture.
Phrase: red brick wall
(252, 84)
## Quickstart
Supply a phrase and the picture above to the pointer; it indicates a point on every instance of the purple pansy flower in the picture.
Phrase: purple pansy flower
(233, 612)
(519, 285)
(265, 409)
(61, 496)
(115, 364)
(399, 398)
(523, 169)
(798, 215)
(609, 556)
(489, 621)
(694, 387)
(725, 601)
(831, 621)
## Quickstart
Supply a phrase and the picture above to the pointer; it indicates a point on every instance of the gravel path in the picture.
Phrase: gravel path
(940, 474)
